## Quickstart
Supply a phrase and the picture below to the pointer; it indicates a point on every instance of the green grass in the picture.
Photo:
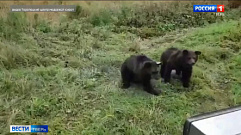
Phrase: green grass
(85, 97)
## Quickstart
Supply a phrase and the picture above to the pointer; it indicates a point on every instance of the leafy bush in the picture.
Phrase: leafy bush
(104, 17)
(79, 13)
(43, 26)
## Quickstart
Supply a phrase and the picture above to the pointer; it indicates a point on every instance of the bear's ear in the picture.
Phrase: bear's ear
(147, 64)
(197, 52)
(158, 63)
(185, 52)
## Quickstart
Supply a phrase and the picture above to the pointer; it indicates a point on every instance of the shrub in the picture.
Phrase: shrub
(104, 17)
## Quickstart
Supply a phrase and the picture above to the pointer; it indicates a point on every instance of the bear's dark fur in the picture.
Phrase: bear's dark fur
(139, 69)
(180, 60)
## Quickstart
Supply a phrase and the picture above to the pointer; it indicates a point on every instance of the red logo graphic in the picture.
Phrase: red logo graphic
(220, 8)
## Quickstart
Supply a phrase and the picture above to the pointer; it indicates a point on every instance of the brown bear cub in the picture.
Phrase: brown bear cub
(139, 69)
(180, 60)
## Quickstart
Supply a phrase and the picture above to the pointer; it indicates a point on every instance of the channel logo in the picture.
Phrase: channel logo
(208, 8)
(28, 128)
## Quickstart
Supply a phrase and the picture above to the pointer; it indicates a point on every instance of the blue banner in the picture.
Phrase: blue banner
(204, 8)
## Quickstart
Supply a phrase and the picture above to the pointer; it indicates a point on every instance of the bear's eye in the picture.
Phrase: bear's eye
(155, 72)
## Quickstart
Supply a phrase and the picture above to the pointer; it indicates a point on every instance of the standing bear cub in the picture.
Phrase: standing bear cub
(140, 69)
(180, 60)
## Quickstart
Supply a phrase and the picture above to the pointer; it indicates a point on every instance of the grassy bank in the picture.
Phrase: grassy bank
(84, 98)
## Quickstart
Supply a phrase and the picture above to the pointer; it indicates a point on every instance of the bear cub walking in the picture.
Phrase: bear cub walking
(180, 60)
(139, 69)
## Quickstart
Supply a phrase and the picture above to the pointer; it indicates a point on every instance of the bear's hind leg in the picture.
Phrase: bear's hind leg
(167, 74)
(126, 76)
(162, 70)
(178, 72)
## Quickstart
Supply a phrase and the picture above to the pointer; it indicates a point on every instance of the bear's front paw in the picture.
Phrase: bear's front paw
(166, 81)
(156, 93)
(125, 86)
(186, 85)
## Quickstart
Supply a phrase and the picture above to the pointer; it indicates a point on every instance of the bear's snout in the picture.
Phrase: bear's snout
(193, 63)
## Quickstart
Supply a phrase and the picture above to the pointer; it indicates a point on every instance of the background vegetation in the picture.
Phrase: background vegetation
(84, 98)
